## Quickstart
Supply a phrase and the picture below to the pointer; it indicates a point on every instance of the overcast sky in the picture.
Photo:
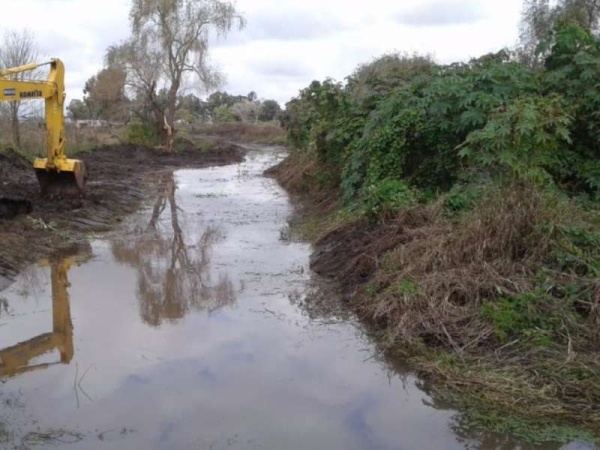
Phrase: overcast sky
(286, 43)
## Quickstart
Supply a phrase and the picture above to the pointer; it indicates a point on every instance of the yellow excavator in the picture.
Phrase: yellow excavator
(16, 360)
(57, 175)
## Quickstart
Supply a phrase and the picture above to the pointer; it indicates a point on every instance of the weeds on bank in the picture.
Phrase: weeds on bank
(505, 397)
(493, 291)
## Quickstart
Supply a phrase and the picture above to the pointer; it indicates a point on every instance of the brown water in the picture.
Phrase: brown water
(187, 329)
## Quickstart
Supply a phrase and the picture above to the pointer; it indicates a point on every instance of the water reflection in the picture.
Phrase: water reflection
(173, 276)
(18, 359)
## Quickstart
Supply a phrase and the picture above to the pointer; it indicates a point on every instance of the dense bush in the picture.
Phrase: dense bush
(141, 133)
(404, 117)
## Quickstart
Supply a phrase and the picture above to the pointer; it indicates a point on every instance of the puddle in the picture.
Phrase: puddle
(184, 330)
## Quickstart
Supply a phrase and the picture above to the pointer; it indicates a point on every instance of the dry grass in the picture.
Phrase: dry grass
(33, 138)
(546, 388)
(455, 267)
(423, 282)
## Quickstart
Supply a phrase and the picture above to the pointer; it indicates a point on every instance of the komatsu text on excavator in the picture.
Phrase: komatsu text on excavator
(58, 176)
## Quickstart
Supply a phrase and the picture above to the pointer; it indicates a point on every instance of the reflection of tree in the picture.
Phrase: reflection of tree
(173, 277)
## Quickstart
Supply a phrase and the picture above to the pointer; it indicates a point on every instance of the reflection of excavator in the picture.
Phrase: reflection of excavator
(57, 175)
(16, 360)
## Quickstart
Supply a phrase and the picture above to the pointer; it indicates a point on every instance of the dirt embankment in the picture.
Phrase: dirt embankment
(120, 177)
(434, 290)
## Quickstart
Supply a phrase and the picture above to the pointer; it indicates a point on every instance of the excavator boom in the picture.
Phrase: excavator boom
(17, 359)
(57, 175)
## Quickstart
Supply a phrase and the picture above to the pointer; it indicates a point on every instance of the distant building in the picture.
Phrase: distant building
(91, 123)
(97, 123)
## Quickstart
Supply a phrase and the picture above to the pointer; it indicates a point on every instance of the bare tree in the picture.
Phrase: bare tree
(174, 276)
(536, 23)
(169, 44)
(247, 111)
(18, 48)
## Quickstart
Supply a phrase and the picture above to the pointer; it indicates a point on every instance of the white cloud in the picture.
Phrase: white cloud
(76, 31)
(442, 12)
(286, 44)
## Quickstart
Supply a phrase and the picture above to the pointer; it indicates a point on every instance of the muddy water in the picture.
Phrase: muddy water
(187, 329)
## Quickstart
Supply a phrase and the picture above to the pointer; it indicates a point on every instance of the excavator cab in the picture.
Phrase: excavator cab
(58, 176)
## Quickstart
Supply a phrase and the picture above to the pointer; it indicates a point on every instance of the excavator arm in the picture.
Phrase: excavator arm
(58, 176)
(16, 360)
(23, 90)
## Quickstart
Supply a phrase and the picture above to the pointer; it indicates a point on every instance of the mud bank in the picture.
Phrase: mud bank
(421, 284)
(120, 177)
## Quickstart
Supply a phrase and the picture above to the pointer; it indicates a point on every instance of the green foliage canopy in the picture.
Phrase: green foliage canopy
(404, 117)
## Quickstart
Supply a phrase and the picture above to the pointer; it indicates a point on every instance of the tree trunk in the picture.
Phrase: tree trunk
(170, 114)
(170, 127)
(163, 133)
(159, 119)
(14, 109)
(164, 130)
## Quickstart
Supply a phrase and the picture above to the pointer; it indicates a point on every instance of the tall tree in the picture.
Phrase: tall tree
(252, 96)
(105, 94)
(18, 48)
(539, 18)
(170, 45)
(197, 107)
(77, 110)
(270, 110)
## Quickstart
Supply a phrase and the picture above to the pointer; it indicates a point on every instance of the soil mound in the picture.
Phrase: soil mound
(14, 167)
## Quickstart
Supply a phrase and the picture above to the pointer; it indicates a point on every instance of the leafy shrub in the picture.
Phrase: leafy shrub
(534, 316)
(387, 196)
(224, 114)
(141, 133)
(462, 198)
(407, 118)
(528, 138)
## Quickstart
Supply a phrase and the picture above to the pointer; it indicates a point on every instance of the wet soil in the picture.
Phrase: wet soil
(349, 254)
(119, 177)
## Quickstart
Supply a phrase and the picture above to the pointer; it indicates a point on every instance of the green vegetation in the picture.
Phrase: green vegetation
(479, 185)
(141, 133)
(224, 114)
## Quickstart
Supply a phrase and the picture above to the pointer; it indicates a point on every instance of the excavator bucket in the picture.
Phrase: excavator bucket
(65, 180)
